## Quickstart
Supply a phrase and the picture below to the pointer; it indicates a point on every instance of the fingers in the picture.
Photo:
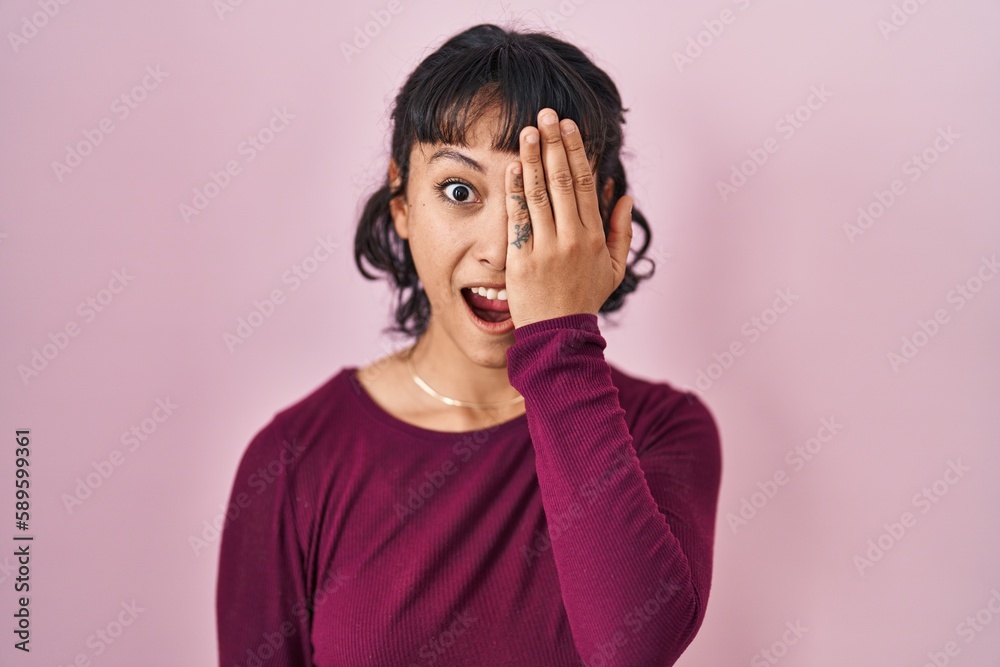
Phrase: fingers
(620, 237)
(558, 190)
(558, 177)
(534, 187)
(519, 231)
(585, 186)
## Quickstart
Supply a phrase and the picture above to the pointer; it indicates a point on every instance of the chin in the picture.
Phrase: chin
(491, 354)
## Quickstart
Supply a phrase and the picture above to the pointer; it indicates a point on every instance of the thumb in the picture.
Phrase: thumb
(620, 236)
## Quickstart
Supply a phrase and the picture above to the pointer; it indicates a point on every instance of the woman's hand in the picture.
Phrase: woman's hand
(558, 260)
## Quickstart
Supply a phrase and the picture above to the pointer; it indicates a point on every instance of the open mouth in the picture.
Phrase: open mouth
(488, 310)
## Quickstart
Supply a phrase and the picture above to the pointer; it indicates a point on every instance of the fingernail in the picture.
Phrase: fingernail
(548, 119)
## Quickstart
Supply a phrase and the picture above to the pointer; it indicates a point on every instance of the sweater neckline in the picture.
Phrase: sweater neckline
(381, 415)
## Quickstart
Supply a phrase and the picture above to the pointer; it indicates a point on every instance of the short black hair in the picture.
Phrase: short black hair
(520, 73)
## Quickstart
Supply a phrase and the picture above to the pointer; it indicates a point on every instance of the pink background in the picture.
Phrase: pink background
(720, 264)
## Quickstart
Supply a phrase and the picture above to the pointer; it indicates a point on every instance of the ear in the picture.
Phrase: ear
(398, 206)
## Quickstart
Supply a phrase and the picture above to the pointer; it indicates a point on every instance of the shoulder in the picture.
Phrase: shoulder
(320, 403)
(296, 432)
(657, 410)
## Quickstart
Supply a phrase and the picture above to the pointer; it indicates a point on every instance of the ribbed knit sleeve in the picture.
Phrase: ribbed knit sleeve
(262, 608)
(631, 534)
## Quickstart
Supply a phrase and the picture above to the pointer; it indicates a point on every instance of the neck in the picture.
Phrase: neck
(473, 376)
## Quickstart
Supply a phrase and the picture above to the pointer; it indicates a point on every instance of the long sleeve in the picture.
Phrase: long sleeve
(262, 608)
(631, 523)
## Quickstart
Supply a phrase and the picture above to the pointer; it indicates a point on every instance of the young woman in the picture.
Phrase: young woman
(496, 493)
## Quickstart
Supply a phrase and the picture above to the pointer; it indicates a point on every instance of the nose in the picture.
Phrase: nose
(490, 246)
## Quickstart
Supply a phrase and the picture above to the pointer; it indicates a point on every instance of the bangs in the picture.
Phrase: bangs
(518, 82)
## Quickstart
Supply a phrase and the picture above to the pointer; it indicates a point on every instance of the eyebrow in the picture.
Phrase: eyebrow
(449, 154)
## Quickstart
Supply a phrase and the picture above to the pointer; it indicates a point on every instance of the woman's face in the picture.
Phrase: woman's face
(455, 218)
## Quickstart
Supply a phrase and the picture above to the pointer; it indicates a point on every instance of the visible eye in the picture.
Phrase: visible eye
(460, 190)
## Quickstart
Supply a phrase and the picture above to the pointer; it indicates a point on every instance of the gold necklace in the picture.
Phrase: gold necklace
(452, 401)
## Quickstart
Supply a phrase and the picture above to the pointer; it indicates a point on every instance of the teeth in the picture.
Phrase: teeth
(490, 293)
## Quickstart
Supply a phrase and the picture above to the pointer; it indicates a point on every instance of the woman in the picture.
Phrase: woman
(496, 493)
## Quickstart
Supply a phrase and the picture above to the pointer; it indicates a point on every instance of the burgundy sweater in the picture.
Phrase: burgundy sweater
(579, 533)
